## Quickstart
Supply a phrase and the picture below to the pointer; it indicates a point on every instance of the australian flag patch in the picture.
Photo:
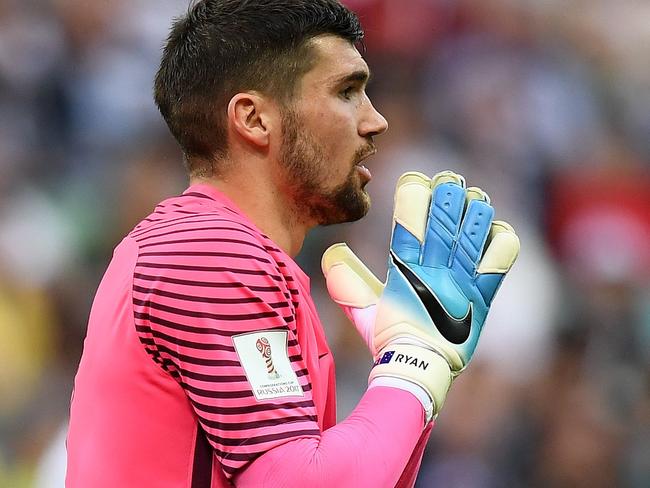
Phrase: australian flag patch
(385, 358)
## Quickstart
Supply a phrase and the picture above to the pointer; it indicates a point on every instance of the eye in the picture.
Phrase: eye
(348, 92)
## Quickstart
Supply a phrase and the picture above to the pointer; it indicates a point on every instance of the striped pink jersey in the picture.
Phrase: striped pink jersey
(204, 350)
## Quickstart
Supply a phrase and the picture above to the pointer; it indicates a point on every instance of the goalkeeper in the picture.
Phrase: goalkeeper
(205, 363)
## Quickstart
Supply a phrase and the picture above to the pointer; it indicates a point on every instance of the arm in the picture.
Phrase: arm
(407, 480)
(422, 327)
(202, 301)
(369, 448)
(447, 260)
(200, 317)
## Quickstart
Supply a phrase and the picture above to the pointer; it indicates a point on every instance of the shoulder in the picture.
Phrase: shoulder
(194, 228)
(210, 244)
(194, 238)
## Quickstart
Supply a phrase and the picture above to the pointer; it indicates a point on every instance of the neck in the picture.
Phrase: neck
(265, 204)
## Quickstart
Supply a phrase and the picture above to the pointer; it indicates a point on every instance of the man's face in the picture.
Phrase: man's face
(328, 131)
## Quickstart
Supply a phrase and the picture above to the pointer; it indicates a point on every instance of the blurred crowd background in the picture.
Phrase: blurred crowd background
(545, 104)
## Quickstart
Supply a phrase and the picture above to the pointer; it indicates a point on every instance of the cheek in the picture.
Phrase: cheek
(332, 127)
(338, 134)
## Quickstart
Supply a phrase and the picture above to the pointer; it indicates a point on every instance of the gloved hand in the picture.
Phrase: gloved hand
(446, 262)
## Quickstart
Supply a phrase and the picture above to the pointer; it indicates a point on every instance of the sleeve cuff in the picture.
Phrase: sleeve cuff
(416, 390)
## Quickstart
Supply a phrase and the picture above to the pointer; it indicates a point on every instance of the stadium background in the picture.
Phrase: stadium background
(544, 103)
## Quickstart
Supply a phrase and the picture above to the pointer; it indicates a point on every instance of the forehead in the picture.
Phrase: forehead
(334, 59)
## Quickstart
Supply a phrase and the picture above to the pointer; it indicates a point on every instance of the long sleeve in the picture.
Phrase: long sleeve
(371, 448)
(407, 480)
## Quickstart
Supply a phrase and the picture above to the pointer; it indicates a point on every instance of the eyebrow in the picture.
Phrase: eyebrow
(359, 76)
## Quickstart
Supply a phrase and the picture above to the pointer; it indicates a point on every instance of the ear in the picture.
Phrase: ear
(251, 115)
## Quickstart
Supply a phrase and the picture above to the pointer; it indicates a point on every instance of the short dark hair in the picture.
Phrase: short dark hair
(222, 47)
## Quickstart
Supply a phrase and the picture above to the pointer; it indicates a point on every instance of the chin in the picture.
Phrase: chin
(360, 209)
(346, 207)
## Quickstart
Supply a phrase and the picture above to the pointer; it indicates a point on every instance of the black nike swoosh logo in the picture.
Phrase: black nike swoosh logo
(454, 330)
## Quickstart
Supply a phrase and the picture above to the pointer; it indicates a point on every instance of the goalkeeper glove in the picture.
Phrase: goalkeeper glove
(447, 260)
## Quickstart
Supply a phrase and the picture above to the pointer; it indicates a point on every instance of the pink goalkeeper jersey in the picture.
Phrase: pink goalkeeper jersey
(203, 352)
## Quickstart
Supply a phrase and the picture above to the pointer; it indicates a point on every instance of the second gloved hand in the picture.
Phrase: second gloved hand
(447, 260)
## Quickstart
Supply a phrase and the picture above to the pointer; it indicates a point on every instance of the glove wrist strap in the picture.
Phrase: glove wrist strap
(421, 366)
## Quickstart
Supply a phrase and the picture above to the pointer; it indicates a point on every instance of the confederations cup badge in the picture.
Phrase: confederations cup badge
(264, 347)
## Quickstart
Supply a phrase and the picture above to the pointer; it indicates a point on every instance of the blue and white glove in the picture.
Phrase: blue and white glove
(447, 259)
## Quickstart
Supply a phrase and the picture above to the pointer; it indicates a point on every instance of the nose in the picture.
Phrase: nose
(373, 124)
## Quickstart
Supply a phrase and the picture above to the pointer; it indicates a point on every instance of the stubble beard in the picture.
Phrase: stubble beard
(306, 163)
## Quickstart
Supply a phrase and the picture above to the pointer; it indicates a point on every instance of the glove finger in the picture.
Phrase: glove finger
(447, 176)
(354, 287)
(502, 249)
(500, 254)
(475, 193)
(474, 231)
(445, 214)
(412, 198)
(349, 282)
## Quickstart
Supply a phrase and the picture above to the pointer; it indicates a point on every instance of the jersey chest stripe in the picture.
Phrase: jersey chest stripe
(204, 315)
(222, 379)
(216, 394)
(185, 220)
(196, 360)
(227, 457)
(200, 330)
(207, 284)
(221, 254)
(184, 343)
(214, 269)
(195, 298)
(227, 394)
(204, 240)
(247, 442)
(255, 424)
(145, 329)
(209, 378)
(266, 438)
(146, 238)
(247, 409)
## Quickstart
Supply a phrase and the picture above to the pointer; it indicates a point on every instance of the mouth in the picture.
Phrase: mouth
(361, 168)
